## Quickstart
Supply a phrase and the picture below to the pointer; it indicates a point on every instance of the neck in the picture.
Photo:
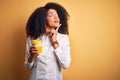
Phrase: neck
(47, 31)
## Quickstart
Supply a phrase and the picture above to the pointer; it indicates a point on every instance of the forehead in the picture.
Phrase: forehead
(51, 11)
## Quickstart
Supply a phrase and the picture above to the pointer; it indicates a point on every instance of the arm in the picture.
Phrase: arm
(62, 52)
(28, 62)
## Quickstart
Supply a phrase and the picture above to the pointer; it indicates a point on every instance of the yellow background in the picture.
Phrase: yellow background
(94, 35)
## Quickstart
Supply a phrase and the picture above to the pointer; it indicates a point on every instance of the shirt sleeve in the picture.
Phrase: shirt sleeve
(63, 52)
(26, 63)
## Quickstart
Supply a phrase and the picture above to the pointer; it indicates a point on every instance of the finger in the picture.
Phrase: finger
(51, 34)
(35, 52)
(58, 27)
(33, 49)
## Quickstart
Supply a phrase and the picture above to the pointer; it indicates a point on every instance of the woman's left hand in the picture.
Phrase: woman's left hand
(53, 34)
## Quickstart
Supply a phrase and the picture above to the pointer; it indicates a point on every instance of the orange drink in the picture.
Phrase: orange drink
(38, 44)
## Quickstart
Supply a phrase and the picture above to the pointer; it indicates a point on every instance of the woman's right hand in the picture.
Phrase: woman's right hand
(33, 54)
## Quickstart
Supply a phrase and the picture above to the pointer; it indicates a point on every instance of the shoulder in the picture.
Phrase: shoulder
(29, 40)
(63, 37)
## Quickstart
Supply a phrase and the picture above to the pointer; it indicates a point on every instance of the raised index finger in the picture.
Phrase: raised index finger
(58, 27)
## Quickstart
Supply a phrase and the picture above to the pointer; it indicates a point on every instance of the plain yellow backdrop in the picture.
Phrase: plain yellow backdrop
(94, 27)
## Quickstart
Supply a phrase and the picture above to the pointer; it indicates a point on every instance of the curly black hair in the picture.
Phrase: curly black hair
(36, 24)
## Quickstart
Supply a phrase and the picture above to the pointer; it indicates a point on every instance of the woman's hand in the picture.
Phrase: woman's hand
(33, 54)
(53, 33)
(53, 36)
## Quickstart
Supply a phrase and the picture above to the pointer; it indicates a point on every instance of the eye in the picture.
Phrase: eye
(50, 14)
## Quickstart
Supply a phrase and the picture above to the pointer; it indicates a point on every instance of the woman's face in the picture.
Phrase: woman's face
(53, 20)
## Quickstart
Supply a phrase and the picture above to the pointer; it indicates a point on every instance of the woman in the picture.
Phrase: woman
(48, 23)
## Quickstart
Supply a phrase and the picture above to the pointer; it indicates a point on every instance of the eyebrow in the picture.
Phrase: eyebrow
(49, 12)
(52, 12)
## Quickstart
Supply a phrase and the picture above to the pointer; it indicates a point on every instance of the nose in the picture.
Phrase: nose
(56, 17)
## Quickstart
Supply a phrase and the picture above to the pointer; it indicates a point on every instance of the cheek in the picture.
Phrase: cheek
(50, 22)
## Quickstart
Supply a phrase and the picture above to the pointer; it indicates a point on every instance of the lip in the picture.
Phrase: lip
(56, 21)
